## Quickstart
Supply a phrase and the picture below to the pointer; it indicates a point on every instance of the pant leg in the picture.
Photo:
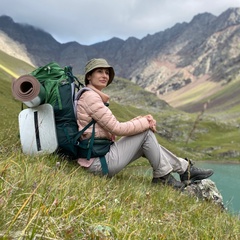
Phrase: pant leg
(128, 149)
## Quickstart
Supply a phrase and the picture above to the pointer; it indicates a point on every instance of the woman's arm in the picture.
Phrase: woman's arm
(95, 108)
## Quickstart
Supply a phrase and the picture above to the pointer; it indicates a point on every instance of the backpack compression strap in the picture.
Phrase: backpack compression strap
(102, 158)
(104, 165)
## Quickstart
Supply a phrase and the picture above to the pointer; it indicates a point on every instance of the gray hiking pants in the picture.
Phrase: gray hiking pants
(130, 148)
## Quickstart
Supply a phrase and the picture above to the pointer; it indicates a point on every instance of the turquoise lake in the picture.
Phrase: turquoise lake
(227, 179)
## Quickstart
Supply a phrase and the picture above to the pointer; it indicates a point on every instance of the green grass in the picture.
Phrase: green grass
(212, 140)
(45, 197)
(41, 198)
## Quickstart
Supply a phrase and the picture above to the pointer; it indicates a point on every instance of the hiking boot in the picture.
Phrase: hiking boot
(193, 174)
(170, 181)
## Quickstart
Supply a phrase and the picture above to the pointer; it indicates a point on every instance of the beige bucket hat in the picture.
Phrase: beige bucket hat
(98, 63)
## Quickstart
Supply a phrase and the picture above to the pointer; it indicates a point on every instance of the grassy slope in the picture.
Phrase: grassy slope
(225, 103)
(223, 98)
(191, 94)
(40, 198)
(14, 65)
(45, 200)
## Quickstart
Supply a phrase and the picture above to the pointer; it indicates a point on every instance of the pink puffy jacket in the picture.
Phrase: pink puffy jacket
(91, 105)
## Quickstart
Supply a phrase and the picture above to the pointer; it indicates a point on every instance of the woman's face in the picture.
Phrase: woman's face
(99, 78)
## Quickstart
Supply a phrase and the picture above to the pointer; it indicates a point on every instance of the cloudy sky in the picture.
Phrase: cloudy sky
(92, 21)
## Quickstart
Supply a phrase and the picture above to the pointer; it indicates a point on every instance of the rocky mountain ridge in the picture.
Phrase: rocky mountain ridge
(177, 60)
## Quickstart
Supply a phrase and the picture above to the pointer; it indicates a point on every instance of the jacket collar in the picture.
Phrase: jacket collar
(105, 97)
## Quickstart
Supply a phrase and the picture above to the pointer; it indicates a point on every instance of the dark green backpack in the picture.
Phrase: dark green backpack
(61, 86)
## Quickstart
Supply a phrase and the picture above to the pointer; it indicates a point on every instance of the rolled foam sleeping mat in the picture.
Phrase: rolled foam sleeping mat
(28, 90)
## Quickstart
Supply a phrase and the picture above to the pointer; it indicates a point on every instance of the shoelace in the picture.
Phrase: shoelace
(190, 162)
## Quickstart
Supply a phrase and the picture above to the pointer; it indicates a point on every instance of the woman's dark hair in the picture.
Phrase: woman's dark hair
(87, 75)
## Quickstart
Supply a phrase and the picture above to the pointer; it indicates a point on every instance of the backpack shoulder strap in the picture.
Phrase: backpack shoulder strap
(81, 91)
(77, 97)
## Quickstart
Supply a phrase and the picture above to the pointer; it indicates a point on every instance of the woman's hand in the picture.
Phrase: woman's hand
(152, 122)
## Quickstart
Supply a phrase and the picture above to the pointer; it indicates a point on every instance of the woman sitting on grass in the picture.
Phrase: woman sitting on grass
(138, 138)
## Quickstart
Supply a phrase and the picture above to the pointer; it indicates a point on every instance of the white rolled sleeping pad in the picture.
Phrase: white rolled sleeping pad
(28, 90)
